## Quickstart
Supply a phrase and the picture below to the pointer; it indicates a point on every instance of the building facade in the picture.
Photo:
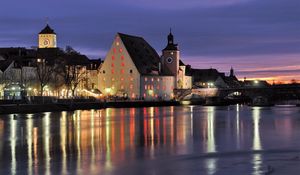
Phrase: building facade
(133, 69)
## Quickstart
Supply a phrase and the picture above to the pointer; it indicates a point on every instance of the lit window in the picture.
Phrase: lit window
(103, 79)
(131, 79)
(122, 79)
(114, 50)
(132, 95)
(121, 50)
(122, 64)
(112, 79)
(152, 79)
(146, 79)
(112, 71)
(122, 71)
(158, 79)
(122, 86)
(112, 65)
(144, 94)
(117, 43)
(122, 57)
(145, 87)
(131, 86)
(113, 57)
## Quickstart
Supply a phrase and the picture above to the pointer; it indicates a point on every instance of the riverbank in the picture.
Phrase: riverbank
(72, 106)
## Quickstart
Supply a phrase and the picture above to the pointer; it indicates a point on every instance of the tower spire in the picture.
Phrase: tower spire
(47, 20)
(231, 72)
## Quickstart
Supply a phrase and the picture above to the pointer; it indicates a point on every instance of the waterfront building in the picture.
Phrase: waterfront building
(133, 69)
(67, 68)
(212, 78)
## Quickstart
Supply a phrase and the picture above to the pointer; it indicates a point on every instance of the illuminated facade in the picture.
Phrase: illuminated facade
(132, 68)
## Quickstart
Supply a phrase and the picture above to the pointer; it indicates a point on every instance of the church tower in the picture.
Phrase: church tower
(171, 56)
(47, 38)
(231, 72)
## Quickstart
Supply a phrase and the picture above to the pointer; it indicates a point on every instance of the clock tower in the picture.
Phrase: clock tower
(47, 38)
(171, 56)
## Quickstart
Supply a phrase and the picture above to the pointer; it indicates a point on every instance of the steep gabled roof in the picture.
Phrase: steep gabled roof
(4, 64)
(143, 55)
(47, 30)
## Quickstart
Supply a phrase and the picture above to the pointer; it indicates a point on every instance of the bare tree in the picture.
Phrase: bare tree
(44, 73)
(73, 75)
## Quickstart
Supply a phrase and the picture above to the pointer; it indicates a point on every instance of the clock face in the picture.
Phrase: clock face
(169, 59)
(46, 42)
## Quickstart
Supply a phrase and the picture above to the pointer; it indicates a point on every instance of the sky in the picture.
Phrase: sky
(260, 39)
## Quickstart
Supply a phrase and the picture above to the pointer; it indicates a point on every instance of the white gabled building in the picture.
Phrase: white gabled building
(132, 68)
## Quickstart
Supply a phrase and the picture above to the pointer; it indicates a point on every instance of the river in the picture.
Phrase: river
(153, 141)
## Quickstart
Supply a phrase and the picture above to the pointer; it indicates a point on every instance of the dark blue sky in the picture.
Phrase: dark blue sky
(259, 38)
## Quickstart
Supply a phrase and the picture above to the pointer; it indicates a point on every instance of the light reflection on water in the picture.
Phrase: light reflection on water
(158, 140)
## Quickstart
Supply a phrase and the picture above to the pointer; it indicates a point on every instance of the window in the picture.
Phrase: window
(122, 86)
(121, 50)
(117, 43)
(104, 71)
(112, 65)
(152, 79)
(122, 57)
(132, 95)
(103, 79)
(145, 87)
(146, 79)
(112, 71)
(114, 50)
(122, 64)
(130, 71)
(112, 79)
(113, 57)
(131, 79)
(122, 79)
(122, 71)
(131, 86)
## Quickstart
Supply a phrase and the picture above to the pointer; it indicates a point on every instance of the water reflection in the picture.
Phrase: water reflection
(105, 141)
(211, 163)
(257, 158)
(13, 140)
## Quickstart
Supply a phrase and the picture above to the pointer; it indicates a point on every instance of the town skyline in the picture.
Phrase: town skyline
(258, 44)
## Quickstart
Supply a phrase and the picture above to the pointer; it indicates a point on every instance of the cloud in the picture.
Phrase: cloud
(242, 33)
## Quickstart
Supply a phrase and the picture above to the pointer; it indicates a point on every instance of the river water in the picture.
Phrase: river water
(153, 141)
